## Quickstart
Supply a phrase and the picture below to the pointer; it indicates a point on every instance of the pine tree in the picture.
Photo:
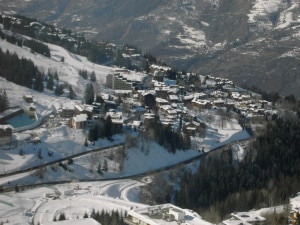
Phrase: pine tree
(93, 76)
(50, 82)
(99, 169)
(89, 94)
(59, 90)
(72, 94)
(4, 104)
(108, 132)
(105, 166)
(62, 217)
(93, 133)
(38, 83)
(55, 76)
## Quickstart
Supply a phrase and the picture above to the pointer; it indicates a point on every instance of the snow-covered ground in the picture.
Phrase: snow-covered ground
(263, 8)
(58, 140)
(40, 205)
(68, 71)
(62, 141)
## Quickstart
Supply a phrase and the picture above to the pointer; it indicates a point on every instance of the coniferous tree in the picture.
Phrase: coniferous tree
(50, 82)
(83, 74)
(72, 94)
(93, 134)
(38, 83)
(55, 76)
(108, 126)
(85, 215)
(89, 94)
(99, 169)
(4, 103)
(59, 90)
(62, 217)
(93, 76)
(105, 166)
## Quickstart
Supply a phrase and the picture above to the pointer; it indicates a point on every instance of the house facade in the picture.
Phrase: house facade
(79, 121)
(118, 82)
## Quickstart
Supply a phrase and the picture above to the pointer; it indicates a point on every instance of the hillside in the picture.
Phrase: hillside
(65, 141)
(252, 42)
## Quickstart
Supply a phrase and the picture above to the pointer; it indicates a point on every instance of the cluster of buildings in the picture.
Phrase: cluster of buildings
(156, 95)
(172, 101)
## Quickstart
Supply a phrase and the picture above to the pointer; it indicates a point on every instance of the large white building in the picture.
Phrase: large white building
(166, 214)
(84, 221)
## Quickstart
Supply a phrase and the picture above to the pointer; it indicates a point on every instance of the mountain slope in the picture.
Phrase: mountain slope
(254, 42)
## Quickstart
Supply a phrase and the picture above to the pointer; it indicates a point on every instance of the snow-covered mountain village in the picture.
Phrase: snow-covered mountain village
(78, 155)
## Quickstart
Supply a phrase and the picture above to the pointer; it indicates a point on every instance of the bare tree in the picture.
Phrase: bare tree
(125, 108)
(224, 116)
(93, 159)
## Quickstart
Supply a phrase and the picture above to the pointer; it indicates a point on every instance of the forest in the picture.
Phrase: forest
(268, 175)
(16, 70)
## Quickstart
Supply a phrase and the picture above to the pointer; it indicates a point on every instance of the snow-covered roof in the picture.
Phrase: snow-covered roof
(233, 221)
(164, 68)
(173, 97)
(68, 106)
(166, 107)
(79, 107)
(135, 123)
(201, 102)
(80, 118)
(84, 221)
(248, 217)
(114, 115)
(188, 97)
(161, 100)
(6, 126)
(161, 88)
(144, 214)
(123, 91)
(148, 92)
(132, 75)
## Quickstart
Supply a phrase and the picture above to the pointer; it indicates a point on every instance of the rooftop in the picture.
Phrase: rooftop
(165, 215)
(89, 221)
(80, 118)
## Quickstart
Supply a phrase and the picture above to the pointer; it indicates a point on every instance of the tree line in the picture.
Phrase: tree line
(16, 70)
(104, 217)
(35, 46)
